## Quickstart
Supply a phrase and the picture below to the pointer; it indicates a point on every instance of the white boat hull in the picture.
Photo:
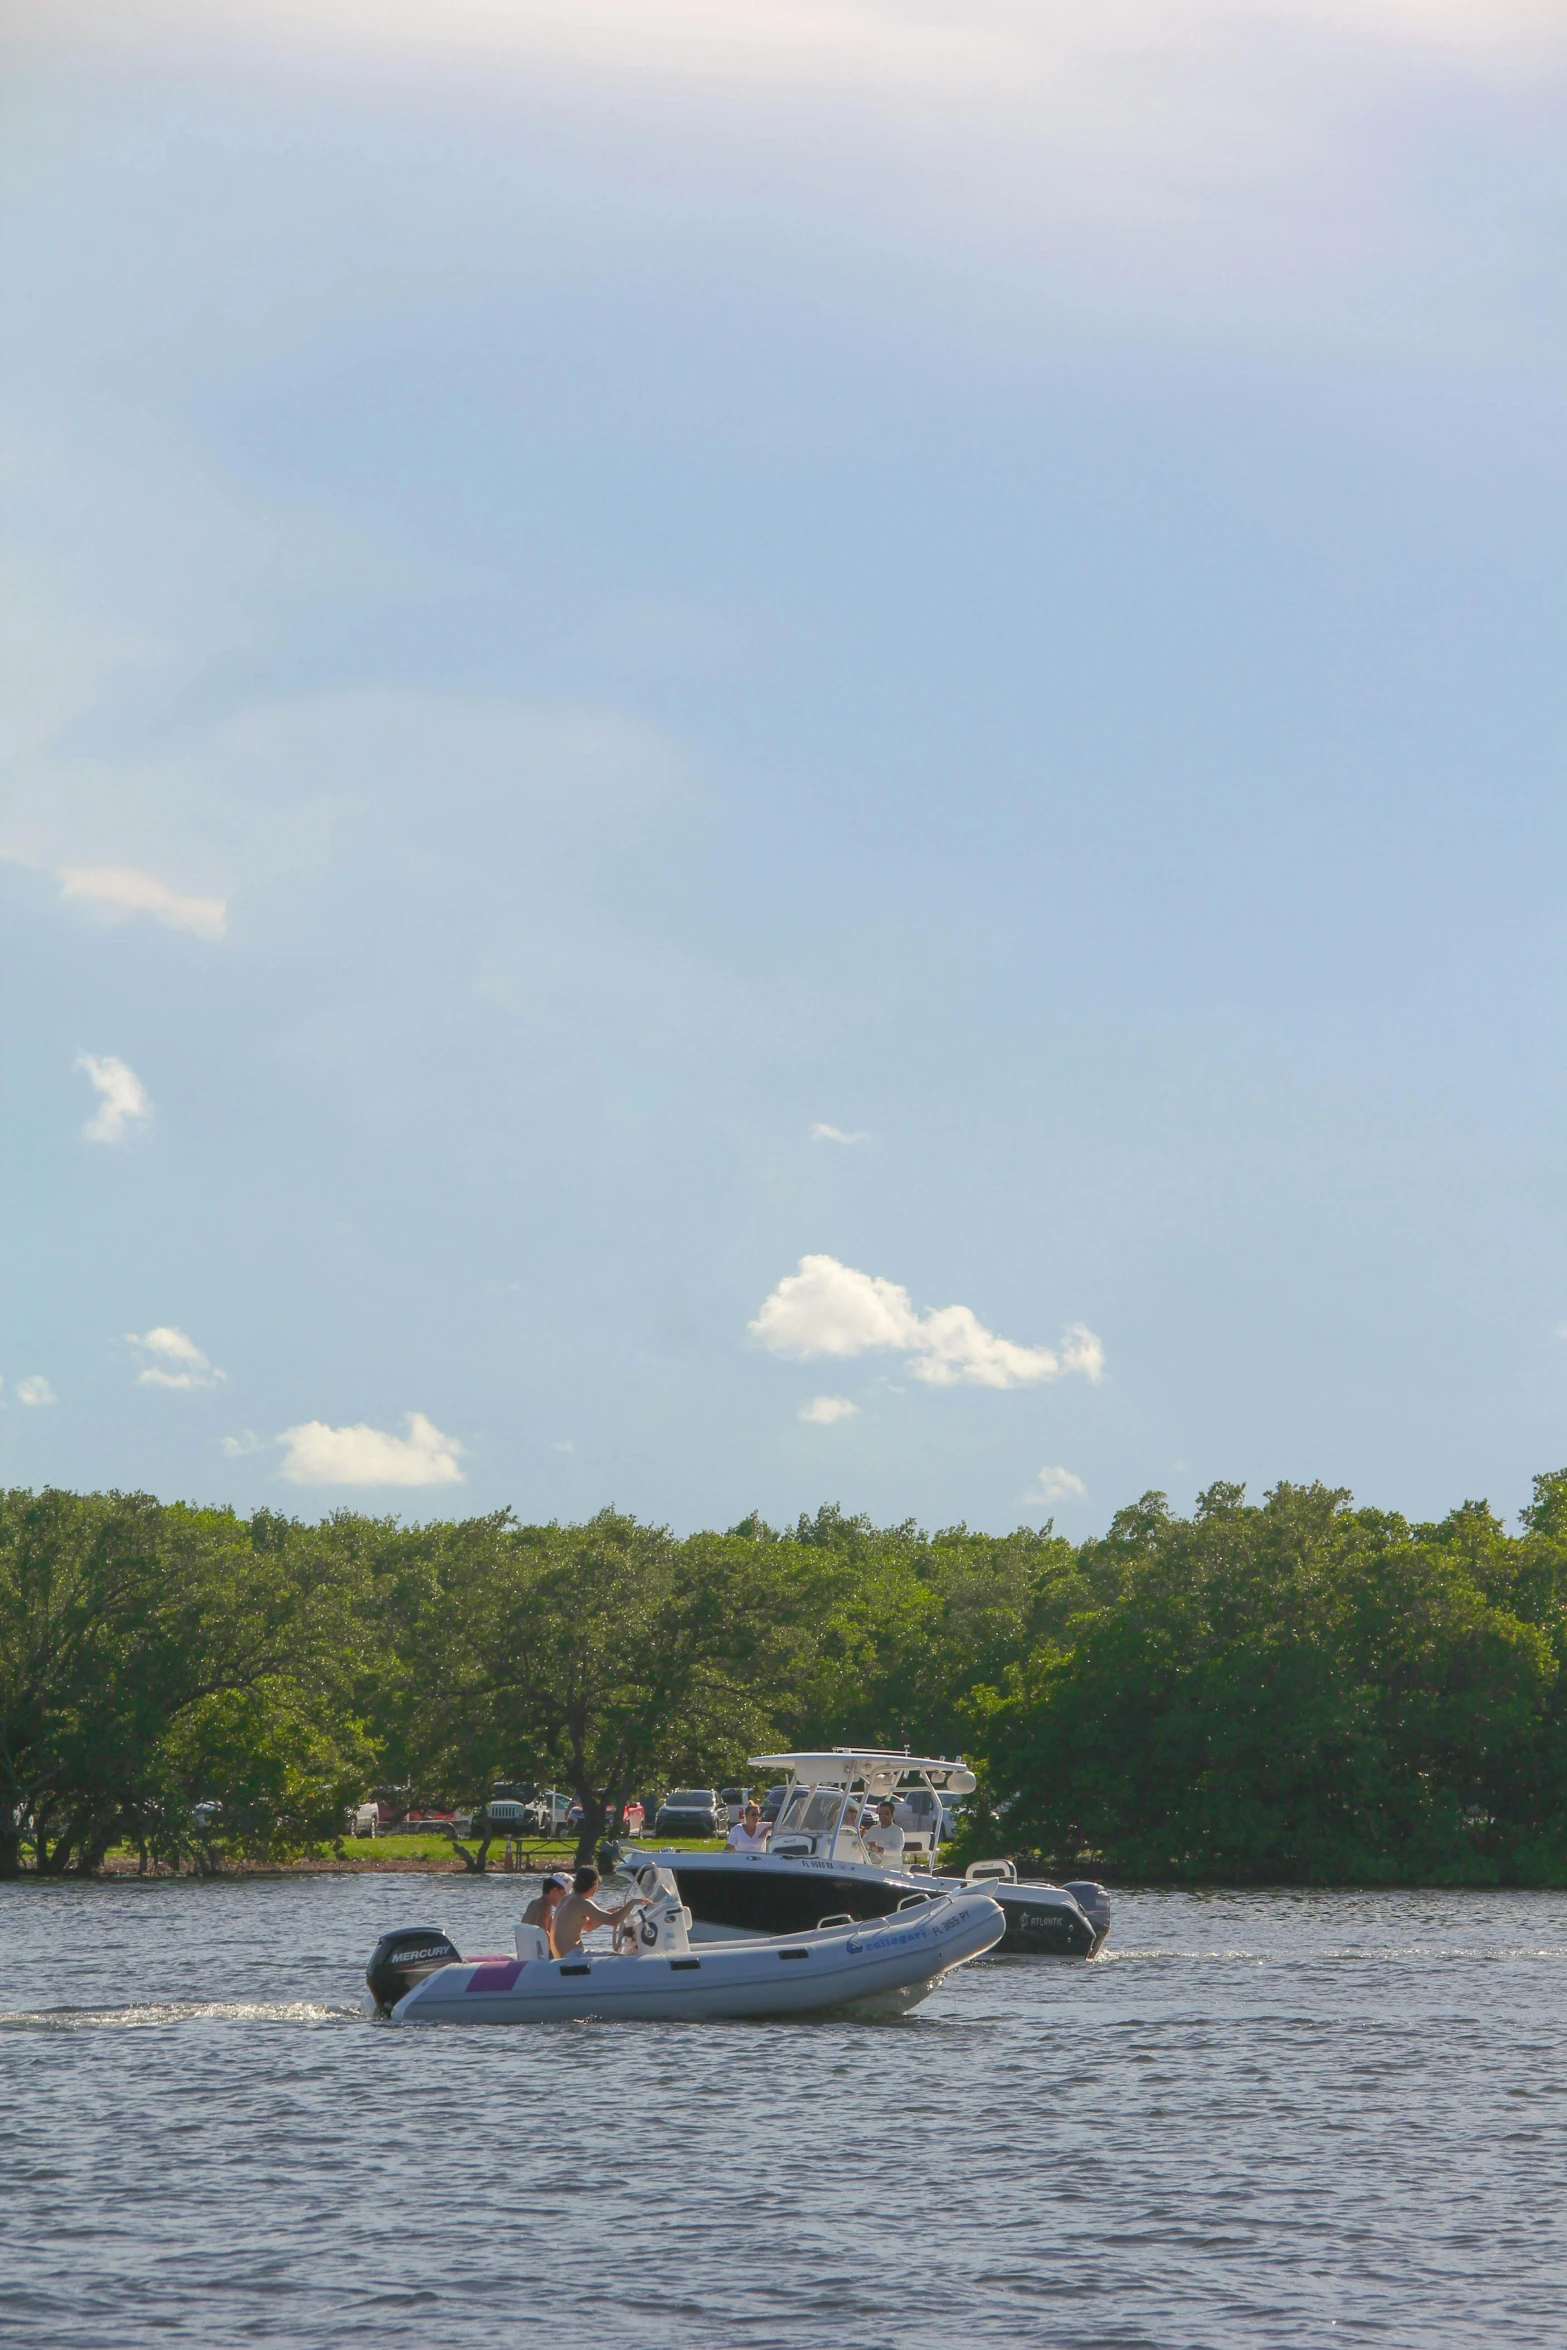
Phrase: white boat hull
(885, 1967)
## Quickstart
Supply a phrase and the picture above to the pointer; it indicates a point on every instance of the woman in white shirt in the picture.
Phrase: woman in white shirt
(748, 1833)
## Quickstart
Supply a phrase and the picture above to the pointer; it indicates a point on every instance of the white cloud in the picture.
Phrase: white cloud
(237, 1448)
(864, 44)
(319, 1455)
(177, 1361)
(120, 890)
(1210, 155)
(836, 1134)
(822, 1410)
(124, 1097)
(828, 1308)
(35, 1390)
(1082, 1351)
(1056, 1485)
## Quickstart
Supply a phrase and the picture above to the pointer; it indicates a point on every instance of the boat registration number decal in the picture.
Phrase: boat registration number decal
(903, 1941)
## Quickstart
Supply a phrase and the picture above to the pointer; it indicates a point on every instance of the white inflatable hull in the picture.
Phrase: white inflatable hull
(887, 1966)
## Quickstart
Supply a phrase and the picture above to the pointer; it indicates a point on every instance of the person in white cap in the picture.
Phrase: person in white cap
(547, 1901)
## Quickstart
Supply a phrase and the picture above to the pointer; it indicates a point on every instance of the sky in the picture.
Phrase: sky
(761, 752)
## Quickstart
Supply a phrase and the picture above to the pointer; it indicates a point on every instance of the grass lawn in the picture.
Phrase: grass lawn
(435, 1852)
(536, 1854)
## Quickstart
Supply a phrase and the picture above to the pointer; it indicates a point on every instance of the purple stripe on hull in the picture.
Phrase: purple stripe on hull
(497, 1974)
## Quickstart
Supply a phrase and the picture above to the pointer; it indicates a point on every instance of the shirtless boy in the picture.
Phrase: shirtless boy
(579, 1913)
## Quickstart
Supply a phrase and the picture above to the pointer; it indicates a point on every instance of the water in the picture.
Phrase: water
(1263, 2118)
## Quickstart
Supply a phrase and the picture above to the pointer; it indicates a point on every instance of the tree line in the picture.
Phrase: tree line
(1297, 1690)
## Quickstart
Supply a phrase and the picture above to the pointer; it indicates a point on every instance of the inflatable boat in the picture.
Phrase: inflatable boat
(417, 1975)
(819, 1861)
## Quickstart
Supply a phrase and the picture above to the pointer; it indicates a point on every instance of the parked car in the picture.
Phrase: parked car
(631, 1818)
(363, 1819)
(772, 1805)
(693, 1811)
(506, 1813)
(736, 1798)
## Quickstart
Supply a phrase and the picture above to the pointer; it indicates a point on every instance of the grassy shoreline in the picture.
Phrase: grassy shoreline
(378, 1855)
(434, 1856)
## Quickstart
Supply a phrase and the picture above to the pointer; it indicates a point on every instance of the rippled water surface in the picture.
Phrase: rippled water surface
(1261, 2118)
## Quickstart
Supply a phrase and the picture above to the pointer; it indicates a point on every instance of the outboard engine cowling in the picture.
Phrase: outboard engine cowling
(403, 1958)
(1094, 1902)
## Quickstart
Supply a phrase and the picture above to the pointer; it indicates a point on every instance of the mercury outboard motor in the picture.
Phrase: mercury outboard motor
(401, 1959)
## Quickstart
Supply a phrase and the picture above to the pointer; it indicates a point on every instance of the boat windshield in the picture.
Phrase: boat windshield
(811, 1810)
(833, 1794)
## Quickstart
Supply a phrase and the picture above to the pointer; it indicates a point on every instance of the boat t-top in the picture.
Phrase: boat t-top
(817, 1870)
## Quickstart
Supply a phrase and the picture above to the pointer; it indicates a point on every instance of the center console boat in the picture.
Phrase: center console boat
(818, 1870)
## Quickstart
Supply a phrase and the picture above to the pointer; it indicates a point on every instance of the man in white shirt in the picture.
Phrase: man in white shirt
(748, 1833)
(884, 1838)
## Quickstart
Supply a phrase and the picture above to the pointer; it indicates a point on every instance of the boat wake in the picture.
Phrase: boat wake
(180, 2011)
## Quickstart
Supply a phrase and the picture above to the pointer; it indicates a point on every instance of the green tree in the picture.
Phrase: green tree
(119, 1619)
(600, 1655)
(1298, 1691)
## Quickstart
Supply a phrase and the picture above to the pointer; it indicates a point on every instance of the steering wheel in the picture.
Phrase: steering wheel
(625, 1934)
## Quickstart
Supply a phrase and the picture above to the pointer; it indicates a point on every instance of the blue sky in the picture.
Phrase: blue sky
(592, 593)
